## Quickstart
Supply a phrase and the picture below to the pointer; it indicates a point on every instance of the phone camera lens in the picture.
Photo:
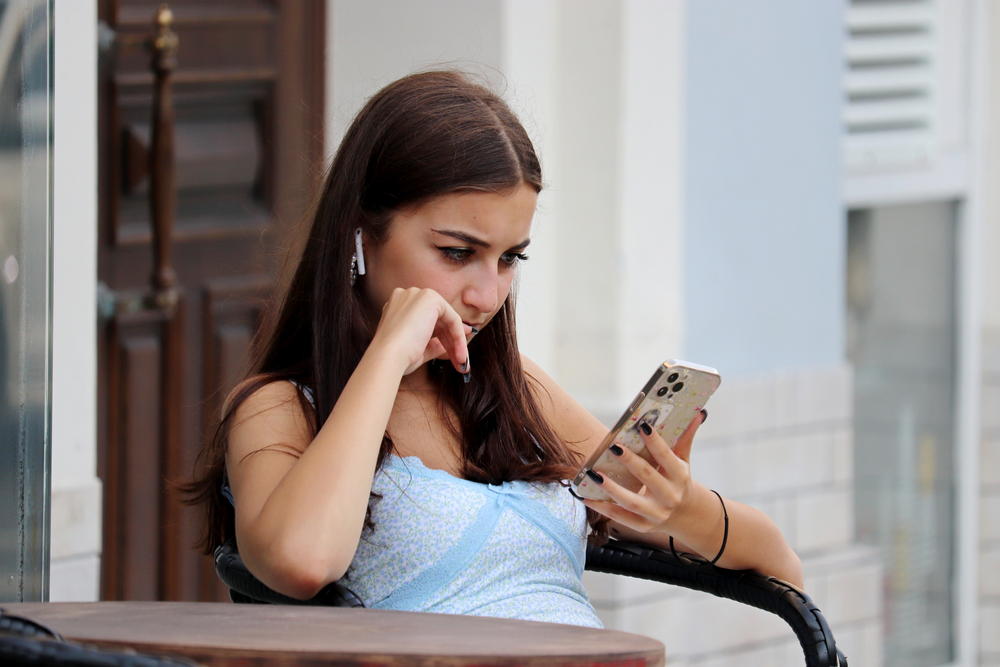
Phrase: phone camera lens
(672, 378)
(662, 391)
(677, 387)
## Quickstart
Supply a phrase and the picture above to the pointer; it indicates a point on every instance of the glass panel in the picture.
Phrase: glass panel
(901, 339)
(25, 143)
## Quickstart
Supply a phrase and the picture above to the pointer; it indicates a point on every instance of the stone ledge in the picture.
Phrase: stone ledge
(75, 579)
(76, 520)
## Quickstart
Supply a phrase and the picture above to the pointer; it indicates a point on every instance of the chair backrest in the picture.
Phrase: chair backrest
(633, 560)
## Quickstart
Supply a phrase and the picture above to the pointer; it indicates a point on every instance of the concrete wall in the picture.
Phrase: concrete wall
(76, 491)
(765, 234)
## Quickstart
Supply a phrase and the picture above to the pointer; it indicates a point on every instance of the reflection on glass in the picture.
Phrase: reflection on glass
(25, 132)
(901, 339)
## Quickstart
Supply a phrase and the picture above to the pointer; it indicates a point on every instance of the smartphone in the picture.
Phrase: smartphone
(668, 403)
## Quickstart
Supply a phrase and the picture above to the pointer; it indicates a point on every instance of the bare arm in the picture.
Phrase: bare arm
(672, 503)
(301, 501)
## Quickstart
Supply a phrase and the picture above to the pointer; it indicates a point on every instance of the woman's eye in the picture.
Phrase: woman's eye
(512, 258)
(458, 255)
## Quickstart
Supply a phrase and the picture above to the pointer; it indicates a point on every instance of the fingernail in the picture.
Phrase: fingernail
(474, 329)
(465, 366)
(596, 477)
(646, 428)
(616, 450)
(466, 377)
(704, 415)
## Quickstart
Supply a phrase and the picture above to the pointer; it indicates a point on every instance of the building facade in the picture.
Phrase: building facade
(797, 194)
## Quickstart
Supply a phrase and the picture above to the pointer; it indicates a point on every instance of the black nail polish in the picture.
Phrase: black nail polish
(465, 365)
(616, 450)
(474, 329)
(595, 477)
(704, 415)
(466, 377)
(646, 428)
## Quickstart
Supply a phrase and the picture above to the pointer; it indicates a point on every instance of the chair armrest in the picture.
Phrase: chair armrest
(27, 643)
(244, 587)
(750, 588)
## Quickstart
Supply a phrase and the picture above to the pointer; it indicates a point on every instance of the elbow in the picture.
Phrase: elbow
(300, 583)
(296, 571)
(791, 570)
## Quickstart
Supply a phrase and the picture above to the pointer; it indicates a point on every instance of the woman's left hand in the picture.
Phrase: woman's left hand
(669, 488)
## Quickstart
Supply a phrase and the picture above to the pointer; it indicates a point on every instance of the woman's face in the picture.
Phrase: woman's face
(465, 246)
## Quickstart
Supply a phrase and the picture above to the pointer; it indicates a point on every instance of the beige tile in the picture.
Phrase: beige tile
(872, 646)
(75, 579)
(665, 620)
(769, 655)
(819, 395)
(729, 470)
(989, 409)
(989, 627)
(718, 624)
(823, 520)
(843, 456)
(989, 572)
(612, 591)
(853, 595)
(76, 520)
(989, 460)
(991, 352)
(989, 516)
(723, 409)
(756, 410)
(789, 462)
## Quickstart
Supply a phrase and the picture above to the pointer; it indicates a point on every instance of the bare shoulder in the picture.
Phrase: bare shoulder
(270, 416)
(572, 422)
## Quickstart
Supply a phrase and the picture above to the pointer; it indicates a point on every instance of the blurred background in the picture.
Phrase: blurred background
(796, 193)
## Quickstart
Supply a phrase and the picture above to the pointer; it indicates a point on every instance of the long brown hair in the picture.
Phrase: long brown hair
(422, 136)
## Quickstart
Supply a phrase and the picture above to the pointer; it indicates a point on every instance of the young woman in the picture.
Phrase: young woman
(392, 437)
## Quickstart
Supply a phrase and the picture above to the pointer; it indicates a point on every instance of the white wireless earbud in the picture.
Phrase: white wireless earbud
(359, 252)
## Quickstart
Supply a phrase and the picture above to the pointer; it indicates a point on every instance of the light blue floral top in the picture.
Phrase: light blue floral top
(447, 545)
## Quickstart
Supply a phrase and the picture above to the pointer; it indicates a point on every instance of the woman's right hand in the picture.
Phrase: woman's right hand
(420, 325)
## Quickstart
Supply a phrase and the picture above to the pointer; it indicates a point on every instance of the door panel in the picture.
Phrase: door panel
(248, 96)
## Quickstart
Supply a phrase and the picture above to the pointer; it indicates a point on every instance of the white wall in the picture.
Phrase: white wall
(374, 43)
(597, 84)
(76, 491)
(765, 234)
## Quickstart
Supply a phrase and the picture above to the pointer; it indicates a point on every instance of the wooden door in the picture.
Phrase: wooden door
(248, 103)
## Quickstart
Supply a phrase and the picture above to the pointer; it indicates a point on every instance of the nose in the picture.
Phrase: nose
(482, 292)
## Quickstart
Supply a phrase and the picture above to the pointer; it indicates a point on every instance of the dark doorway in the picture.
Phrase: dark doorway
(248, 105)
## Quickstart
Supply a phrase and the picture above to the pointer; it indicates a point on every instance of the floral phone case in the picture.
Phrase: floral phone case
(668, 403)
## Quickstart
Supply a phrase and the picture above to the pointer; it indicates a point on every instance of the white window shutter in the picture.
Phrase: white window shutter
(889, 84)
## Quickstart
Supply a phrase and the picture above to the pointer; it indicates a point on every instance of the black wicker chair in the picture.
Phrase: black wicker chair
(27, 643)
(633, 560)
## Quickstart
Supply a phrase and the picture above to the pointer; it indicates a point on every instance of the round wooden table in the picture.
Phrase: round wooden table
(245, 635)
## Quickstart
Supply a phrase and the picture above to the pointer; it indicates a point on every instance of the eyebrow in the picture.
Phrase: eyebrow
(472, 240)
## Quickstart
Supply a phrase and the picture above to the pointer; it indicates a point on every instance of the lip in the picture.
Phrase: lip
(477, 327)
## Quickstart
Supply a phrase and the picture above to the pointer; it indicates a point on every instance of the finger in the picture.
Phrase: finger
(619, 514)
(683, 447)
(653, 481)
(643, 506)
(451, 331)
(669, 463)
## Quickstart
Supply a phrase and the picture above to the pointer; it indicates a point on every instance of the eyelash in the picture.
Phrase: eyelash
(461, 256)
